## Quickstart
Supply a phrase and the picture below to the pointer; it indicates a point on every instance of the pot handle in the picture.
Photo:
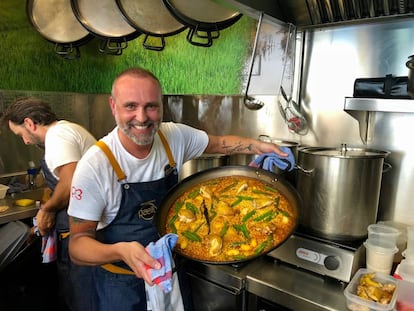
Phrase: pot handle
(386, 167)
(304, 171)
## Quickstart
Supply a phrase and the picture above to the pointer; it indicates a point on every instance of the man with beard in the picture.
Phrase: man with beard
(64, 143)
(118, 186)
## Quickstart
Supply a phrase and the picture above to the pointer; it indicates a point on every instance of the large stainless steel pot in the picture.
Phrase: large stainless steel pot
(267, 177)
(202, 163)
(340, 190)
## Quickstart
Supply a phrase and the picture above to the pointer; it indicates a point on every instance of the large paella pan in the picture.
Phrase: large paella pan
(229, 214)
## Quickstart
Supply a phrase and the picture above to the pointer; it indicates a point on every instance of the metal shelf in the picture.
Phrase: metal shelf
(364, 109)
(379, 104)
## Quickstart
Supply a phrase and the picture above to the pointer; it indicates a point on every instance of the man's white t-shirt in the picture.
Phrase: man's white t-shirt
(66, 142)
(96, 192)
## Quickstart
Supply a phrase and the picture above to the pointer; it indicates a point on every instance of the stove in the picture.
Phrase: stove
(338, 260)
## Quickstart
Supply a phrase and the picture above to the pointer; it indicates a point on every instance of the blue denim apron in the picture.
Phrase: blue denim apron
(133, 222)
(75, 282)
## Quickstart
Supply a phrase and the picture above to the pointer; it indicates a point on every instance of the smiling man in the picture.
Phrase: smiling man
(118, 186)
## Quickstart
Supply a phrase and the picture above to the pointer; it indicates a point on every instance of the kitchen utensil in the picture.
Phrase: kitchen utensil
(335, 205)
(264, 176)
(56, 22)
(204, 18)
(249, 101)
(105, 21)
(151, 18)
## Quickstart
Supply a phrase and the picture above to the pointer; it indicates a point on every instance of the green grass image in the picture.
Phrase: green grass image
(29, 61)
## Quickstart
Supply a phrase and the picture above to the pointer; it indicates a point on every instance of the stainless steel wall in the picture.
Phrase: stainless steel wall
(333, 58)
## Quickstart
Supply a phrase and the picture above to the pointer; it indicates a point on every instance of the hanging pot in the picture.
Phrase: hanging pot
(205, 19)
(104, 20)
(152, 18)
(56, 22)
(340, 190)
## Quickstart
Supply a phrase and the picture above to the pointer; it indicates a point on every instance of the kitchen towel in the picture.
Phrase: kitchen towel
(49, 248)
(162, 251)
(268, 160)
(166, 294)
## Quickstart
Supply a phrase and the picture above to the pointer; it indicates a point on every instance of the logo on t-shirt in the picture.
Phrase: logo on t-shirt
(147, 210)
(76, 193)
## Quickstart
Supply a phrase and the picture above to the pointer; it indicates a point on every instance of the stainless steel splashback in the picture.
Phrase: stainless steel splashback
(333, 58)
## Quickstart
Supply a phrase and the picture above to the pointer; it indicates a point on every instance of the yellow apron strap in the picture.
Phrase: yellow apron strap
(116, 269)
(121, 175)
(167, 149)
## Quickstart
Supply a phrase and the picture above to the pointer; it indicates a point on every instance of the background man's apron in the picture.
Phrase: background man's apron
(75, 282)
(133, 222)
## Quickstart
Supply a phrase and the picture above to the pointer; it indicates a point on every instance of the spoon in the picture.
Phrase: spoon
(249, 101)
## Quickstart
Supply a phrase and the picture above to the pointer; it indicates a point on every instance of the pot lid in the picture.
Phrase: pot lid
(345, 152)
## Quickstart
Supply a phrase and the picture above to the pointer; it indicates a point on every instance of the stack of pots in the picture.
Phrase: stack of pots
(340, 189)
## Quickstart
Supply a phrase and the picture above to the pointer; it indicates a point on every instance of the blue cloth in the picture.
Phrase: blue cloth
(162, 251)
(267, 160)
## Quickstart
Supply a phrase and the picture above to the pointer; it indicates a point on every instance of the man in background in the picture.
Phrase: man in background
(64, 143)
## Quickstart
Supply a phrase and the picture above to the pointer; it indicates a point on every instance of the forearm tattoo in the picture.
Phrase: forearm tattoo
(239, 147)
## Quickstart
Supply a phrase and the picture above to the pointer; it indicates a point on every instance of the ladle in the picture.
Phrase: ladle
(249, 101)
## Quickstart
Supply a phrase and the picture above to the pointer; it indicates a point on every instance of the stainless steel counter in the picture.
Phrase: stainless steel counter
(294, 288)
(282, 284)
(20, 212)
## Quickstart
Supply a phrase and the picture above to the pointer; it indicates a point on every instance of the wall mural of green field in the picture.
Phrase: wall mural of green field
(29, 61)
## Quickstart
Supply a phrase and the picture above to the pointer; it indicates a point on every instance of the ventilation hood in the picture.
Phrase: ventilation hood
(310, 13)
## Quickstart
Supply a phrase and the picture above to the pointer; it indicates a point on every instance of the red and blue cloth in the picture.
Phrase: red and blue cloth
(162, 251)
(49, 247)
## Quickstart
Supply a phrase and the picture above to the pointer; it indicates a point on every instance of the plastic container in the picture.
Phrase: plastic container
(356, 303)
(3, 191)
(383, 235)
(379, 259)
(409, 251)
(405, 296)
(401, 240)
(406, 270)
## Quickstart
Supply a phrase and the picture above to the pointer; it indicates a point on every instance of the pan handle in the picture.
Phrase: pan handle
(67, 51)
(208, 37)
(154, 47)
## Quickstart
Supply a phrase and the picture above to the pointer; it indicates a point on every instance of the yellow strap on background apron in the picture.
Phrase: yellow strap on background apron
(119, 172)
(116, 269)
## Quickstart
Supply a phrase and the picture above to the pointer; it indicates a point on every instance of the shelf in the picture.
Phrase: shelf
(379, 104)
(364, 109)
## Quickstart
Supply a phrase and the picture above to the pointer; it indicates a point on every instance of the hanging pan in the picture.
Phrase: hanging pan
(152, 18)
(104, 20)
(56, 22)
(204, 18)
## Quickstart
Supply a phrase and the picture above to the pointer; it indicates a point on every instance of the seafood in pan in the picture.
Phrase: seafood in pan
(230, 218)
